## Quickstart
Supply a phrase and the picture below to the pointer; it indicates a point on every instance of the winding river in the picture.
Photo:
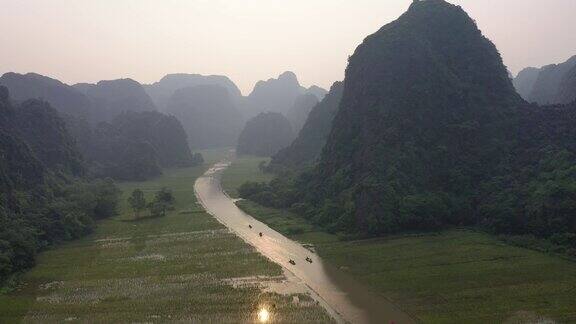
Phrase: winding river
(344, 298)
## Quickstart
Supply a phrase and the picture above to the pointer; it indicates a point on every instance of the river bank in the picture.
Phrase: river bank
(343, 297)
(448, 277)
(185, 267)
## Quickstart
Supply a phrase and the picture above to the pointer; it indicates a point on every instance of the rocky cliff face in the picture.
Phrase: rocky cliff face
(307, 147)
(299, 112)
(567, 91)
(547, 85)
(423, 118)
(19, 167)
(47, 135)
(265, 134)
(278, 95)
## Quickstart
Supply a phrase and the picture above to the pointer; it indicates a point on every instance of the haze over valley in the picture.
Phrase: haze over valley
(429, 179)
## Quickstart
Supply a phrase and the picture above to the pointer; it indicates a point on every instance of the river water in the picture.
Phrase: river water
(343, 297)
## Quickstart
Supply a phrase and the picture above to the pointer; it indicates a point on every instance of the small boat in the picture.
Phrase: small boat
(260, 234)
(308, 259)
(292, 262)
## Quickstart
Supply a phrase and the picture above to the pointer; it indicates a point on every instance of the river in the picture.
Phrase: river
(345, 299)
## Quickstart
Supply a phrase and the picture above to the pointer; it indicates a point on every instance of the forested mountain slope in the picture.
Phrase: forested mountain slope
(307, 147)
(42, 201)
(265, 134)
(430, 133)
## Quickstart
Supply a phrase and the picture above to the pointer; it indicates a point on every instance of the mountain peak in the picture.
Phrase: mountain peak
(288, 76)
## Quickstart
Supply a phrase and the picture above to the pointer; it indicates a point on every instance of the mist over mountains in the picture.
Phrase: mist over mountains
(430, 133)
(300, 110)
(265, 134)
(551, 84)
(113, 97)
(306, 148)
(163, 90)
(278, 95)
(209, 115)
(443, 184)
(64, 98)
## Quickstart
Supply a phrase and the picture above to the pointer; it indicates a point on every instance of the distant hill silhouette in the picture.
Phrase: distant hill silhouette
(567, 90)
(113, 97)
(208, 114)
(547, 85)
(134, 145)
(265, 134)
(162, 91)
(278, 95)
(320, 93)
(62, 97)
(302, 106)
(307, 147)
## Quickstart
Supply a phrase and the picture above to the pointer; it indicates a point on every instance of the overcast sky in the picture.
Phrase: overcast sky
(247, 40)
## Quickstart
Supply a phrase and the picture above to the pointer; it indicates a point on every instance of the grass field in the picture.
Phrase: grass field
(183, 267)
(243, 167)
(457, 276)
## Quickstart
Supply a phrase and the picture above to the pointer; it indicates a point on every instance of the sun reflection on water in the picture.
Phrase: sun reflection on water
(263, 315)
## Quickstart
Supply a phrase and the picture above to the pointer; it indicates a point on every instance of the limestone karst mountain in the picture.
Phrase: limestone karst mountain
(208, 115)
(64, 98)
(113, 97)
(278, 95)
(162, 91)
(265, 134)
(548, 85)
(300, 110)
(307, 147)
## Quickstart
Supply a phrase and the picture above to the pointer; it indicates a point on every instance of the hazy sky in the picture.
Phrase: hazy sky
(247, 40)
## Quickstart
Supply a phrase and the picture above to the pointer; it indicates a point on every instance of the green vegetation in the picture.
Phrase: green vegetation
(180, 267)
(306, 148)
(430, 134)
(265, 134)
(456, 276)
(163, 201)
(41, 200)
(134, 145)
(246, 167)
(137, 202)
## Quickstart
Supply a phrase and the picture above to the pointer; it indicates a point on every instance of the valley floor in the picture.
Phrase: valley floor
(182, 267)
(457, 276)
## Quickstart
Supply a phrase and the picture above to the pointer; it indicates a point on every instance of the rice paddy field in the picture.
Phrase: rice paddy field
(185, 267)
(456, 276)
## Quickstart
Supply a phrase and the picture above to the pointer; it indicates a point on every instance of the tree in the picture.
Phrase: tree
(163, 201)
(137, 202)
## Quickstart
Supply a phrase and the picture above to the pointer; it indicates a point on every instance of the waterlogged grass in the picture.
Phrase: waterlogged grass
(168, 269)
(457, 276)
(245, 169)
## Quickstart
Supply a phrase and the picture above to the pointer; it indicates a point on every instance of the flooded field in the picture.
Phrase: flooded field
(185, 267)
(344, 298)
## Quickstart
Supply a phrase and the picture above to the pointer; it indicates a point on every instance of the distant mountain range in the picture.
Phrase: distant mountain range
(307, 147)
(551, 84)
(265, 134)
(428, 132)
(211, 108)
